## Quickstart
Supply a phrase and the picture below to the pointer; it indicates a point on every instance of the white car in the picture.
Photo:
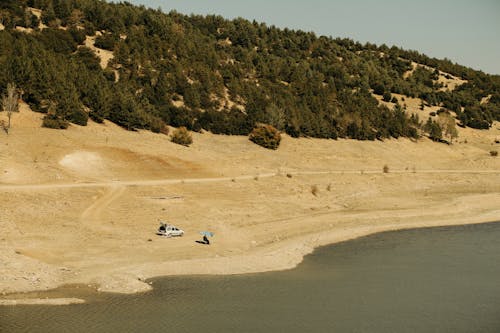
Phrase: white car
(169, 230)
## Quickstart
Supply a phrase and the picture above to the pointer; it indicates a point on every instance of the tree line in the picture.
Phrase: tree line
(170, 68)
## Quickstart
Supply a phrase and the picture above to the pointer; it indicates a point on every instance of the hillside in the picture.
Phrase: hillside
(82, 205)
(144, 69)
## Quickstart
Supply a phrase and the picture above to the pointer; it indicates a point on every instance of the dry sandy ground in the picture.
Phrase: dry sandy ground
(82, 205)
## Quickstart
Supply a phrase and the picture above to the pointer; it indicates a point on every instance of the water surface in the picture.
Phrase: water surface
(423, 280)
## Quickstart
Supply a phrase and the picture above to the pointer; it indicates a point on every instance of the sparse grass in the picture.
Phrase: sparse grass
(386, 169)
(3, 125)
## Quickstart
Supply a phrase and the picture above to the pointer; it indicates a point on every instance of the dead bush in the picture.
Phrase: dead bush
(182, 136)
(386, 169)
(494, 153)
(314, 190)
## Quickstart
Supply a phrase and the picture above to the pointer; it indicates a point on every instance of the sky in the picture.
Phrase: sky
(464, 31)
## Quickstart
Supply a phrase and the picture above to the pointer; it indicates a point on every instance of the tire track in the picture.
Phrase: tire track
(92, 215)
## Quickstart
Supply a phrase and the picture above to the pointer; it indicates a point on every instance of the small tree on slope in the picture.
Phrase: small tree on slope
(10, 104)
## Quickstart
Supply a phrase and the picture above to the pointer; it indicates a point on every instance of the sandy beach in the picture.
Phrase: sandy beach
(82, 205)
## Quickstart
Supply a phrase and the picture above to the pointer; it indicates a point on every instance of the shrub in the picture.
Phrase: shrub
(106, 41)
(78, 35)
(266, 136)
(478, 123)
(314, 190)
(95, 116)
(52, 121)
(59, 41)
(164, 130)
(387, 96)
(88, 58)
(386, 169)
(378, 89)
(78, 117)
(158, 126)
(182, 136)
(494, 153)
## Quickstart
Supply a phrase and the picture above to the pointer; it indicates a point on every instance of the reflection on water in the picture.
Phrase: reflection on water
(428, 280)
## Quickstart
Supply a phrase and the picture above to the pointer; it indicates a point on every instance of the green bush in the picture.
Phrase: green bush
(266, 136)
(51, 121)
(378, 89)
(78, 117)
(158, 126)
(78, 35)
(387, 96)
(182, 136)
(95, 116)
(106, 41)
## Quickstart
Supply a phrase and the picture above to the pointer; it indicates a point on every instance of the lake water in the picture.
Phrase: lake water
(423, 280)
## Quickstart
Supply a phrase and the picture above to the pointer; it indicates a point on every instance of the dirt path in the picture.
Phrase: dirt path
(155, 182)
(91, 215)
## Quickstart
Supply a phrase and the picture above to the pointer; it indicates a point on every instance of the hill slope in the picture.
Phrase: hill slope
(142, 68)
(81, 205)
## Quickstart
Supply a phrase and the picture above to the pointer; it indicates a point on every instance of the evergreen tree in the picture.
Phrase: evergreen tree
(231, 74)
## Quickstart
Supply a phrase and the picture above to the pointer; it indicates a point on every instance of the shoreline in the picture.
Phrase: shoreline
(290, 255)
(290, 252)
